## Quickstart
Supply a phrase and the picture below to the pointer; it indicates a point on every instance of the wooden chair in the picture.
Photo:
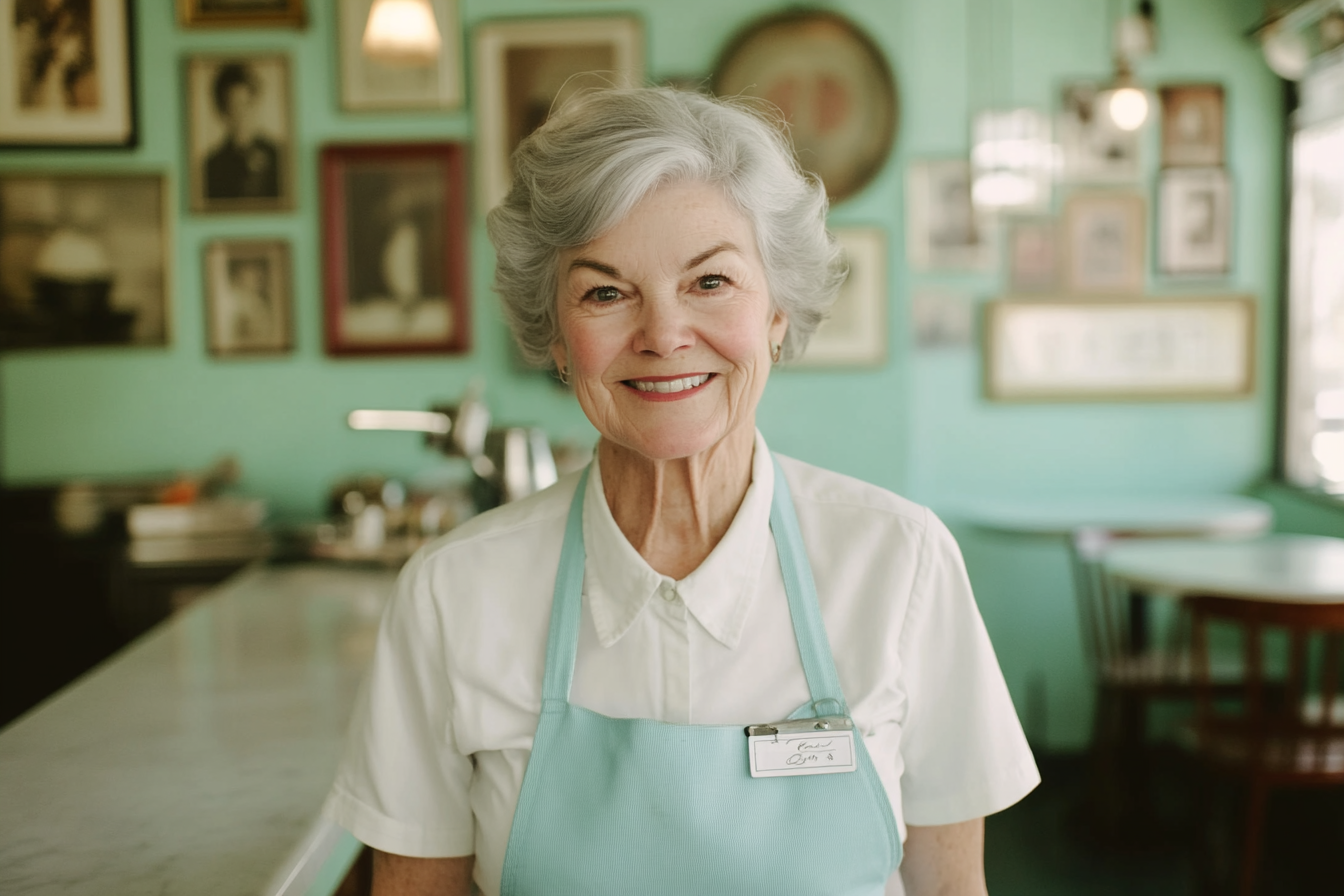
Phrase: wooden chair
(1132, 664)
(1286, 725)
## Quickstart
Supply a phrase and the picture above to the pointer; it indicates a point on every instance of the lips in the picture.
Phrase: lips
(668, 386)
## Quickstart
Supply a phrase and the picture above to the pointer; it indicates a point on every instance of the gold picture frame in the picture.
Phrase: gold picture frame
(241, 13)
(1105, 243)
(1132, 349)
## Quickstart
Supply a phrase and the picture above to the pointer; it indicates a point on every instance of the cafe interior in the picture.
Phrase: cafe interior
(251, 359)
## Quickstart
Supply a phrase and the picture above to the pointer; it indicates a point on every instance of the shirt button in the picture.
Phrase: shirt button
(669, 593)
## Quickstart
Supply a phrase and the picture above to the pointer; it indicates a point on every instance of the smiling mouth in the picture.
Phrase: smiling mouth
(668, 386)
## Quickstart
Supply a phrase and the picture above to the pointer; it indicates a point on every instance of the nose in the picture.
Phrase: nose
(664, 326)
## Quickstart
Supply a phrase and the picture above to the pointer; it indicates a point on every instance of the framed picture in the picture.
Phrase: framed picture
(248, 309)
(831, 82)
(1120, 349)
(369, 84)
(239, 133)
(855, 333)
(525, 67)
(1033, 255)
(66, 75)
(83, 260)
(394, 236)
(941, 318)
(1192, 125)
(942, 231)
(1194, 221)
(1094, 148)
(1104, 238)
(240, 13)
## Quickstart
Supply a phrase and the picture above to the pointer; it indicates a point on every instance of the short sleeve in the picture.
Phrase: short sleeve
(402, 786)
(964, 752)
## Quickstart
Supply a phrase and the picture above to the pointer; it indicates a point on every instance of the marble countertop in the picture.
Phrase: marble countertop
(196, 760)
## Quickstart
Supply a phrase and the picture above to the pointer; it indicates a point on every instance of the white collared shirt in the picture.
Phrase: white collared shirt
(443, 729)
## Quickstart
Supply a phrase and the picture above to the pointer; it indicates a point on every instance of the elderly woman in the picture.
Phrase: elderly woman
(697, 667)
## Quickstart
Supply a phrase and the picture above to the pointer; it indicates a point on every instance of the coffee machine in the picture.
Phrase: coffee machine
(507, 462)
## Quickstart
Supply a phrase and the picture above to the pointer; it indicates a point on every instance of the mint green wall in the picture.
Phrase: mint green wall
(917, 425)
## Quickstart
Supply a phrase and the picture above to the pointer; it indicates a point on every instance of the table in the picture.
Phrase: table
(195, 761)
(1296, 568)
(1146, 515)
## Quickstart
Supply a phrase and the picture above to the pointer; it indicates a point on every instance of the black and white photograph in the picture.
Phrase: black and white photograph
(239, 115)
(1194, 221)
(1104, 238)
(855, 332)
(83, 260)
(249, 310)
(369, 83)
(65, 73)
(942, 230)
(1094, 148)
(1192, 125)
(394, 222)
(240, 13)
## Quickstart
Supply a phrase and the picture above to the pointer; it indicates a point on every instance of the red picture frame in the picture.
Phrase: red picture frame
(394, 238)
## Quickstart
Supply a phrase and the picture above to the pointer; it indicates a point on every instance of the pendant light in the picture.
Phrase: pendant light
(1125, 101)
(402, 32)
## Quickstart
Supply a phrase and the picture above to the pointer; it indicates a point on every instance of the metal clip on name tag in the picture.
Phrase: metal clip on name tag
(822, 746)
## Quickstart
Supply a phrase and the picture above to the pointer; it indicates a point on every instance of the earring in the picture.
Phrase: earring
(776, 351)
(562, 375)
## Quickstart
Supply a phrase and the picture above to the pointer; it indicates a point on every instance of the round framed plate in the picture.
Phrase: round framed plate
(832, 84)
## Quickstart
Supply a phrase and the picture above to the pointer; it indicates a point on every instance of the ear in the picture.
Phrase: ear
(779, 325)
(560, 354)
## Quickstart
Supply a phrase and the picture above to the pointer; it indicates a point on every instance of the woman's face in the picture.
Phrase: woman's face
(666, 323)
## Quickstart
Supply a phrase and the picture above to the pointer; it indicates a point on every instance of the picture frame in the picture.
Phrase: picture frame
(831, 82)
(394, 234)
(1194, 222)
(854, 334)
(1192, 125)
(84, 260)
(249, 306)
(371, 85)
(67, 74)
(1105, 242)
(240, 133)
(1033, 250)
(523, 68)
(943, 232)
(241, 13)
(1135, 349)
(1094, 149)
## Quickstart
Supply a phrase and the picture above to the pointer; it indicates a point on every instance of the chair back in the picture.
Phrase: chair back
(1287, 717)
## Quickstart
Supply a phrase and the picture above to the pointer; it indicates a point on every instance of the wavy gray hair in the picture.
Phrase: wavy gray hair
(601, 153)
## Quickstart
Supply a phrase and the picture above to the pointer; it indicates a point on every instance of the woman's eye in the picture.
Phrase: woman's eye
(605, 294)
(710, 281)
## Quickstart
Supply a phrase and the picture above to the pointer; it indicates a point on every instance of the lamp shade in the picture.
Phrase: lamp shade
(402, 32)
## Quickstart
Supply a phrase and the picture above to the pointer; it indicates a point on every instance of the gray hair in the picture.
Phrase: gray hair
(602, 152)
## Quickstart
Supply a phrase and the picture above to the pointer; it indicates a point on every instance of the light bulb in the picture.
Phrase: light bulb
(1128, 108)
(402, 31)
(1286, 52)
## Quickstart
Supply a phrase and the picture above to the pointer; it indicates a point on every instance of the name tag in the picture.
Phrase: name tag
(801, 747)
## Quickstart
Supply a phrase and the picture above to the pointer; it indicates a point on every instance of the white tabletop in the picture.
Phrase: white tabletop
(195, 761)
(1295, 568)
(1148, 515)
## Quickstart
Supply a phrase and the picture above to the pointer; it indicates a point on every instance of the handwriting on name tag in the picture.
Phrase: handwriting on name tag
(811, 753)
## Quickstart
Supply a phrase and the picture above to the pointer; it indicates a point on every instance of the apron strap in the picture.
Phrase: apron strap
(813, 646)
(562, 644)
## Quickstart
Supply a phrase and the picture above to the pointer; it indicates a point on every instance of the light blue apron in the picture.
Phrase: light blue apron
(634, 806)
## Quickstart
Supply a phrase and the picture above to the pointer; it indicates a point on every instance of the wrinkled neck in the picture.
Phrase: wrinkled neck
(674, 512)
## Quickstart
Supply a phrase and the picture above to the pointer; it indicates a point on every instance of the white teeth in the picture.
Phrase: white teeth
(688, 382)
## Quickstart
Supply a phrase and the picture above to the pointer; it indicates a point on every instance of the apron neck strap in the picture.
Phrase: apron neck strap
(813, 647)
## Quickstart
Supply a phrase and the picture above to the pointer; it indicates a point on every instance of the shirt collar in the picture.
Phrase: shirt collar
(618, 582)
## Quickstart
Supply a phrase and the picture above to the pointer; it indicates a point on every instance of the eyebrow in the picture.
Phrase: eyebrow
(710, 253)
(608, 270)
(594, 265)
